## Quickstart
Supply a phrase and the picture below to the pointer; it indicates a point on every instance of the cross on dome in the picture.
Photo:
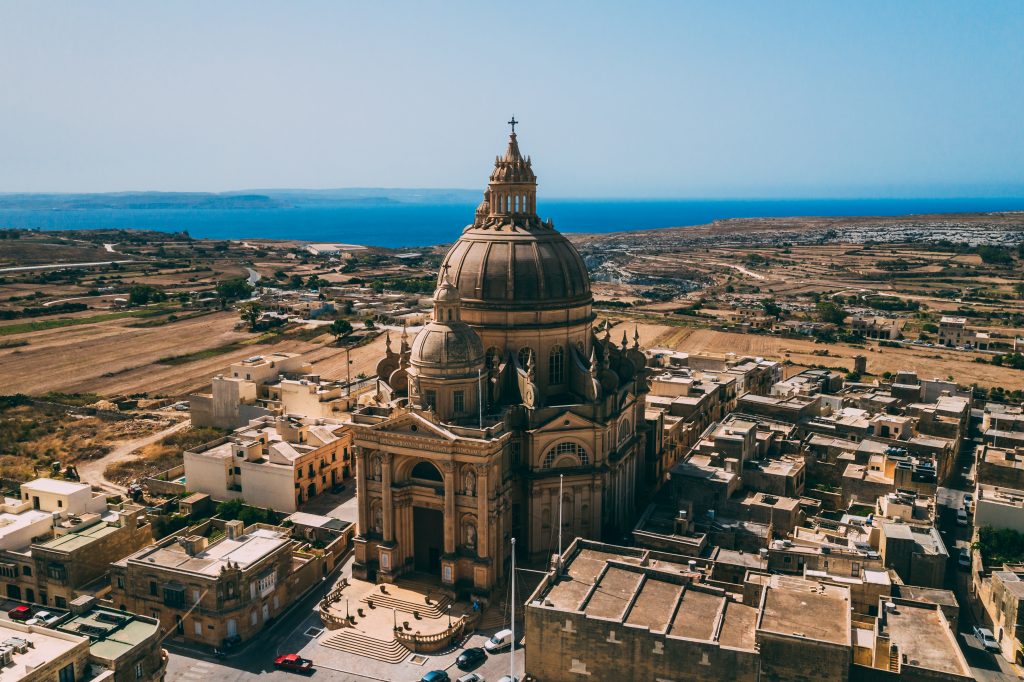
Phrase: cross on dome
(513, 123)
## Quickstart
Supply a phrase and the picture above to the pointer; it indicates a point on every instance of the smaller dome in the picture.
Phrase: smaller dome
(447, 350)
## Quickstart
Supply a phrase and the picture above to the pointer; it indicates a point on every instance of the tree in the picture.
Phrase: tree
(368, 323)
(141, 294)
(250, 312)
(233, 289)
(830, 313)
(340, 329)
(771, 308)
(1019, 288)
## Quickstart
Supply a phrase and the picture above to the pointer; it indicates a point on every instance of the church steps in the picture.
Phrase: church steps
(353, 642)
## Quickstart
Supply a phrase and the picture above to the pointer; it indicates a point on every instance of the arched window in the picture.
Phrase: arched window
(556, 365)
(564, 453)
(425, 471)
(525, 355)
(493, 357)
(624, 430)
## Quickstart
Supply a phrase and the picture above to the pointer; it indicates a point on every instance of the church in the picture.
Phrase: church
(508, 395)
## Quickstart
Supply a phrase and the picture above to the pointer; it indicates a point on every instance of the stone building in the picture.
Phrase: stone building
(277, 462)
(506, 393)
(220, 591)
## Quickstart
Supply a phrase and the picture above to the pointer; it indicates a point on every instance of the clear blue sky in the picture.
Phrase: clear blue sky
(616, 99)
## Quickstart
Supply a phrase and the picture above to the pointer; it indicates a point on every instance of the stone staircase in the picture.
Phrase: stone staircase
(438, 605)
(354, 642)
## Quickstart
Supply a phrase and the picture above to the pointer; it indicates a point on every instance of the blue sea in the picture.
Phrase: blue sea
(422, 224)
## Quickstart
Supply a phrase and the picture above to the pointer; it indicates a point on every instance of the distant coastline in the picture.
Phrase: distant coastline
(398, 218)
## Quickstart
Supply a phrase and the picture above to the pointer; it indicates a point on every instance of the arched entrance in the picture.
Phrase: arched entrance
(428, 542)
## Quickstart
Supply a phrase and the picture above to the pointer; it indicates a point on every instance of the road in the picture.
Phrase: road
(92, 471)
(61, 266)
(253, 276)
(984, 665)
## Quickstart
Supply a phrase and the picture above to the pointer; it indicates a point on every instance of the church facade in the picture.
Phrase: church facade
(507, 396)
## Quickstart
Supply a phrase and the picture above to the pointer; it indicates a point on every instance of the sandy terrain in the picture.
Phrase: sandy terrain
(927, 362)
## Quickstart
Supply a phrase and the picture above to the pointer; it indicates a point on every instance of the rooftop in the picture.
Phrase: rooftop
(55, 487)
(923, 637)
(800, 608)
(112, 633)
(77, 539)
(44, 646)
(245, 550)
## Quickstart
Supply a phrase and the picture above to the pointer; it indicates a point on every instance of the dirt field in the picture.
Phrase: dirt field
(927, 362)
(112, 358)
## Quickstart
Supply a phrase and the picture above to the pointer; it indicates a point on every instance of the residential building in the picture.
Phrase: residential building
(276, 462)
(213, 591)
(125, 644)
(36, 654)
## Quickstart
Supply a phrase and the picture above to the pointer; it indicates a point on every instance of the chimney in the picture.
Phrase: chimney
(234, 529)
(194, 544)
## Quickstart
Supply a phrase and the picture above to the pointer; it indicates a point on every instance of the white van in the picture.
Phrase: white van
(501, 640)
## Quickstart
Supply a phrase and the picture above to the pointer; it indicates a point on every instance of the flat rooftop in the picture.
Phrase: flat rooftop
(925, 639)
(111, 633)
(46, 646)
(697, 615)
(54, 487)
(245, 551)
(815, 611)
(69, 542)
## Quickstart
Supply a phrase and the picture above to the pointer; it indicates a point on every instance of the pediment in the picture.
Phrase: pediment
(566, 421)
(416, 425)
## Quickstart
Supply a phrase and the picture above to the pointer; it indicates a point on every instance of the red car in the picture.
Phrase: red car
(21, 613)
(293, 662)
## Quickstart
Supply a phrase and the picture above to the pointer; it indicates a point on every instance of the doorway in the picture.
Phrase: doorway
(428, 531)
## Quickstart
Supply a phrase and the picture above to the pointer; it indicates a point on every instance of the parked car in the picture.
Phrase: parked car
(21, 613)
(471, 658)
(293, 662)
(501, 640)
(968, 500)
(435, 676)
(986, 639)
(961, 518)
(471, 677)
(964, 560)
(43, 618)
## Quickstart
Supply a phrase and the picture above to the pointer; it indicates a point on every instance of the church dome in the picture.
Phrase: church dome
(447, 349)
(508, 258)
(518, 267)
(447, 346)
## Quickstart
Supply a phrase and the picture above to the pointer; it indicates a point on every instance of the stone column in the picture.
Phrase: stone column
(388, 506)
(362, 503)
(483, 526)
(450, 525)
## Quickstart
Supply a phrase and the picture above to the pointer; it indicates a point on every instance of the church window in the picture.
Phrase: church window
(525, 356)
(429, 399)
(624, 430)
(556, 366)
(563, 451)
(459, 401)
(493, 357)
(427, 472)
(516, 452)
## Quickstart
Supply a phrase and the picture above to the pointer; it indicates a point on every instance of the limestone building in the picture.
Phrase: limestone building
(507, 389)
